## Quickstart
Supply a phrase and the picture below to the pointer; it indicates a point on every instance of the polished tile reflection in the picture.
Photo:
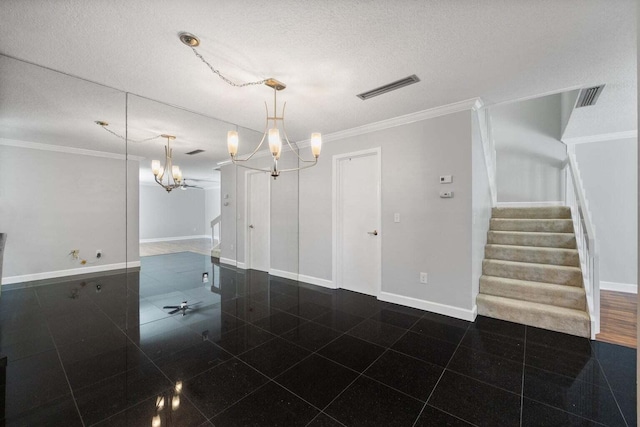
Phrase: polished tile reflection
(261, 350)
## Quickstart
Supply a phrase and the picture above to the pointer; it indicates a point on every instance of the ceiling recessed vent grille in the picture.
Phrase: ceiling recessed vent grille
(191, 153)
(389, 87)
(588, 96)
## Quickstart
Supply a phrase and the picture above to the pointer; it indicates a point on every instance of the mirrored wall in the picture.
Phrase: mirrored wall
(80, 197)
(105, 246)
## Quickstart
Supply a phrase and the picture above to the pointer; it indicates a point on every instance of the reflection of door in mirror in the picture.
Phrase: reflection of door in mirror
(258, 221)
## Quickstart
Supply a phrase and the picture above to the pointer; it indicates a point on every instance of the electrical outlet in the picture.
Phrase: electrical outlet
(205, 277)
(98, 253)
(423, 278)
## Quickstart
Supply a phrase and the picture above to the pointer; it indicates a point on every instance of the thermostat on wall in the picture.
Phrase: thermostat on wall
(446, 179)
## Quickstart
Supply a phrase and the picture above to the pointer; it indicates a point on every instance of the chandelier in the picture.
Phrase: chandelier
(272, 135)
(274, 130)
(169, 397)
(174, 178)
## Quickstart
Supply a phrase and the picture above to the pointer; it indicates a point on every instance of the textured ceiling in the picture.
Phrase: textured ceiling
(327, 52)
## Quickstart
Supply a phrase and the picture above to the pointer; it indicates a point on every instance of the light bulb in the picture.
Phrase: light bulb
(155, 421)
(178, 386)
(232, 142)
(175, 403)
(275, 143)
(160, 403)
(155, 167)
(175, 171)
(316, 144)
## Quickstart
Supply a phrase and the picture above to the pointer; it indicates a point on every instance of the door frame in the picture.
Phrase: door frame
(337, 224)
(247, 238)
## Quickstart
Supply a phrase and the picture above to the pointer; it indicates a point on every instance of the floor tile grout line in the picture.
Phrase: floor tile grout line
(615, 399)
(440, 378)
(361, 373)
(66, 376)
(327, 415)
(566, 412)
(524, 358)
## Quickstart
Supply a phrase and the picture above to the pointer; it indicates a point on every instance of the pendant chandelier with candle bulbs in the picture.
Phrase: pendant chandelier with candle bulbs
(171, 172)
(274, 131)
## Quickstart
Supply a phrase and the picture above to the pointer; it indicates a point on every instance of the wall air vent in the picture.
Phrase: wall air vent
(191, 153)
(588, 96)
(389, 87)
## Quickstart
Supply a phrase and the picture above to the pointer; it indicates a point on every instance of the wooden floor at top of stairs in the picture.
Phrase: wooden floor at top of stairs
(618, 318)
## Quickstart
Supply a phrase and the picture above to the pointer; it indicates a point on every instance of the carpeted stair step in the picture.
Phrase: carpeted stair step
(535, 255)
(215, 252)
(536, 225)
(527, 238)
(548, 212)
(560, 319)
(542, 293)
(556, 274)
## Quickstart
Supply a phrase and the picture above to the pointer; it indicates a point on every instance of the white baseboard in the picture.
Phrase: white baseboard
(228, 261)
(317, 281)
(70, 272)
(284, 274)
(630, 288)
(172, 239)
(434, 307)
(241, 265)
(529, 204)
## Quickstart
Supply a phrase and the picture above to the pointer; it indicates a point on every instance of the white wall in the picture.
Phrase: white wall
(53, 202)
(434, 234)
(211, 209)
(567, 102)
(180, 213)
(481, 206)
(529, 153)
(609, 174)
(229, 206)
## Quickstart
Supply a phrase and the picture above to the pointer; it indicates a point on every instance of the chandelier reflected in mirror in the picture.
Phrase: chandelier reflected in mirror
(274, 133)
(171, 172)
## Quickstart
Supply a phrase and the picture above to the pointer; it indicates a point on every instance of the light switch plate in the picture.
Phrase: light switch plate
(446, 179)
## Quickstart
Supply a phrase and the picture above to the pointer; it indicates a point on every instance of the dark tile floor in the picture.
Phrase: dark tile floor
(262, 351)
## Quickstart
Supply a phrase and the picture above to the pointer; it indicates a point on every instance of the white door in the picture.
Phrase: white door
(258, 212)
(358, 238)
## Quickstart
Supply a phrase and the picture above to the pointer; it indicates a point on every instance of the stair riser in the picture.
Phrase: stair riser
(548, 226)
(537, 256)
(537, 318)
(551, 241)
(568, 298)
(534, 273)
(550, 212)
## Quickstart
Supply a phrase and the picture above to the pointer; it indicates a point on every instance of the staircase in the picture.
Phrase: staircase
(531, 271)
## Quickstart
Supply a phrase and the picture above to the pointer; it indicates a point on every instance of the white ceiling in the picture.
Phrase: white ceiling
(325, 51)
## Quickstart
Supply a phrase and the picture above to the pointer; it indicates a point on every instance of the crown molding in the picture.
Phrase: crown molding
(468, 104)
(473, 104)
(68, 150)
(602, 137)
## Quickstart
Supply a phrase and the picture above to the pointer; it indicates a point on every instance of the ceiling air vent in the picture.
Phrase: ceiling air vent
(191, 153)
(588, 96)
(389, 87)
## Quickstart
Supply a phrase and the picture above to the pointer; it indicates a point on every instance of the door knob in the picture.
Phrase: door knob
(251, 226)
(373, 233)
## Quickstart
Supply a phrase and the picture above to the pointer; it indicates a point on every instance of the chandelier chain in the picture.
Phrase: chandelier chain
(214, 71)
(130, 140)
